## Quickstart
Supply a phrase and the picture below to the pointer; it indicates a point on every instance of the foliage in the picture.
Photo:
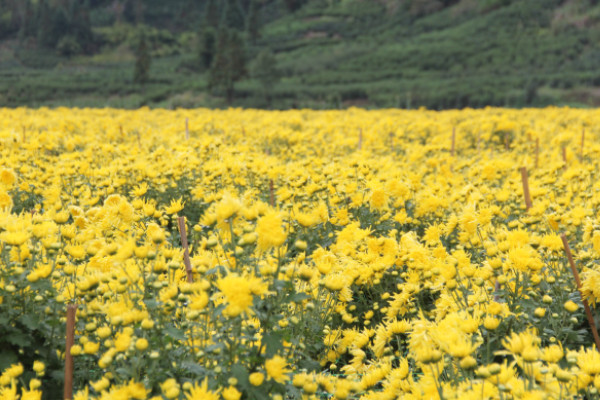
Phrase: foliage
(143, 62)
(233, 16)
(264, 69)
(253, 22)
(229, 64)
(437, 54)
(207, 48)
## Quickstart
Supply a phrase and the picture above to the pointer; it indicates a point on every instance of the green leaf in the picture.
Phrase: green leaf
(174, 333)
(18, 339)
(194, 368)
(30, 321)
(309, 365)
(7, 358)
(123, 372)
(151, 303)
(273, 342)
(241, 374)
(298, 297)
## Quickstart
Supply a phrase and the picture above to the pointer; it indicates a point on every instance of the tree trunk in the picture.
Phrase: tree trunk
(229, 92)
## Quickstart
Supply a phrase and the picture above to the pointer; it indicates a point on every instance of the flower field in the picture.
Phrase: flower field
(332, 254)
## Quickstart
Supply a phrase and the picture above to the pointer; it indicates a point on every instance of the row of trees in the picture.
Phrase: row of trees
(64, 26)
(222, 47)
(228, 32)
(222, 41)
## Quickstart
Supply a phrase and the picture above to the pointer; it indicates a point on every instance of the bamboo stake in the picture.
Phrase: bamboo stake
(453, 148)
(271, 193)
(588, 312)
(360, 138)
(525, 179)
(186, 251)
(68, 389)
(187, 130)
(537, 151)
(582, 143)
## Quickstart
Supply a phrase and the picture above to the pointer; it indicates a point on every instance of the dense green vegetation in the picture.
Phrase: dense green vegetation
(320, 53)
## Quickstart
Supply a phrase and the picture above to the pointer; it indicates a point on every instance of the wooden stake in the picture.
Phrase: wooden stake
(271, 193)
(582, 143)
(506, 142)
(537, 151)
(186, 251)
(588, 312)
(360, 138)
(187, 130)
(564, 156)
(452, 149)
(496, 290)
(68, 389)
(525, 179)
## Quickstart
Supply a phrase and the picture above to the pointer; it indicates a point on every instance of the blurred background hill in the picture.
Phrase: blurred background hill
(299, 53)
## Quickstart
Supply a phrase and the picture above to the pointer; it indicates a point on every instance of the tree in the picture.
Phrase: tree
(211, 14)
(80, 26)
(66, 27)
(28, 23)
(233, 16)
(143, 60)
(293, 5)
(253, 21)
(229, 65)
(45, 25)
(264, 69)
(134, 11)
(207, 47)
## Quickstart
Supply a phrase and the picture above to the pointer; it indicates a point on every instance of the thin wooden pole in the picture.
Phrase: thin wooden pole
(582, 143)
(68, 389)
(525, 179)
(537, 151)
(564, 156)
(186, 251)
(453, 148)
(360, 138)
(588, 312)
(187, 130)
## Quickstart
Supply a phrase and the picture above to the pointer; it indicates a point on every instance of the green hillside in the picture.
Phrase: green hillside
(327, 53)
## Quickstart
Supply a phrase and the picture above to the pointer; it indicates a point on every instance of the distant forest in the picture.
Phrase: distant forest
(299, 53)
